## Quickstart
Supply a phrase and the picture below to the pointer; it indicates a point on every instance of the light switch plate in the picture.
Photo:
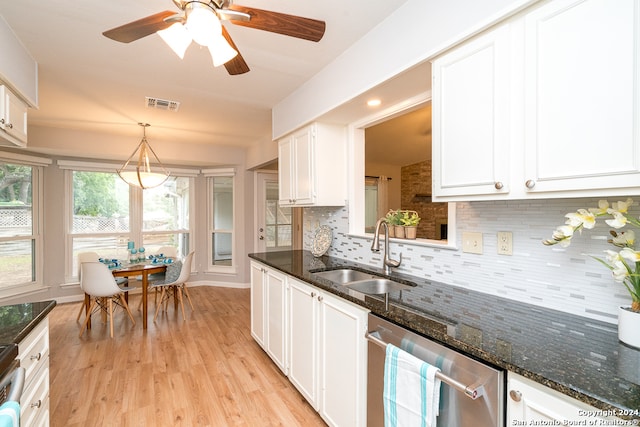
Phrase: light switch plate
(472, 242)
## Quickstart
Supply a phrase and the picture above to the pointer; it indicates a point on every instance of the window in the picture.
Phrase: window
(106, 213)
(221, 207)
(165, 216)
(100, 219)
(19, 235)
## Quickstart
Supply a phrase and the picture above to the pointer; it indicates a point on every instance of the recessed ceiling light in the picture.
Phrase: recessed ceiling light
(374, 102)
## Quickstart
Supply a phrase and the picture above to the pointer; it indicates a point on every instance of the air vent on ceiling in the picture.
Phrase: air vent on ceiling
(162, 104)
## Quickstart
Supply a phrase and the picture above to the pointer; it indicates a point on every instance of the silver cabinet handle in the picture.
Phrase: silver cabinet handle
(38, 404)
(313, 294)
(10, 125)
(37, 357)
(499, 185)
(515, 395)
(530, 183)
(320, 298)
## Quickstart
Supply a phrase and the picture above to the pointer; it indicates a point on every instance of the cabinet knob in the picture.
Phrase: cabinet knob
(530, 183)
(37, 404)
(499, 185)
(36, 357)
(1, 121)
(320, 298)
(313, 294)
(515, 395)
(10, 125)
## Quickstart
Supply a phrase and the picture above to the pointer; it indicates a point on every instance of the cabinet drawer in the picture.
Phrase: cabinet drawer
(35, 401)
(33, 351)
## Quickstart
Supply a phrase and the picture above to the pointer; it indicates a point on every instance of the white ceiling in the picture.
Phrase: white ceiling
(91, 83)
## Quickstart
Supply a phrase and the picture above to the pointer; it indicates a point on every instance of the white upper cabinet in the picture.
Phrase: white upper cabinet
(545, 105)
(471, 117)
(312, 166)
(13, 118)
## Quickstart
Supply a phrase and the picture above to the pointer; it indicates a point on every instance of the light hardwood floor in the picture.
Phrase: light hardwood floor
(205, 371)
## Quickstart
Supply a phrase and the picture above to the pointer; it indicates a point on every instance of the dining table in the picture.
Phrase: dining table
(143, 269)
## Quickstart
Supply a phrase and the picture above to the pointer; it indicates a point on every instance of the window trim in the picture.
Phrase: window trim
(209, 174)
(37, 222)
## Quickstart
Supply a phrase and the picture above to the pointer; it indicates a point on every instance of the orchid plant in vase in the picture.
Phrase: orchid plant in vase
(623, 263)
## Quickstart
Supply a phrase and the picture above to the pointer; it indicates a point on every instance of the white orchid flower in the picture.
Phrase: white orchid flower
(630, 255)
(621, 207)
(603, 207)
(619, 271)
(582, 217)
(625, 239)
(618, 221)
(612, 256)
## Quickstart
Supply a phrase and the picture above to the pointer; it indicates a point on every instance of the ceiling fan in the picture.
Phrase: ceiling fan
(218, 10)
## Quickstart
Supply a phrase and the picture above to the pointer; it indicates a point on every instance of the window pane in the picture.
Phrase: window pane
(104, 246)
(15, 200)
(167, 207)
(222, 203)
(16, 262)
(222, 253)
(100, 203)
(153, 243)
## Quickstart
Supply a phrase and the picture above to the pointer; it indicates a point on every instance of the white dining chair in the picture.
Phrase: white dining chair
(123, 282)
(97, 281)
(175, 288)
(167, 252)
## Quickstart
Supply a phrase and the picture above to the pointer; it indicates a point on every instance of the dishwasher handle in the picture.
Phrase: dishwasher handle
(16, 380)
(471, 392)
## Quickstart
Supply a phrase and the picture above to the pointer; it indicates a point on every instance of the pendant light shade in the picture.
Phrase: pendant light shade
(145, 175)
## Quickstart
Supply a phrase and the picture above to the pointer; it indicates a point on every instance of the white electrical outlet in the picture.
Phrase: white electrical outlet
(505, 243)
(472, 242)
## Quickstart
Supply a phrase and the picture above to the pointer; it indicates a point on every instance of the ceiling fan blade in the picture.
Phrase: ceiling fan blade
(141, 28)
(275, 22)
(237, 65)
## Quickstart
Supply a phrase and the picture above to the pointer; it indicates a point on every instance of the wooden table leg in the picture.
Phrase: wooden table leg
(145, 285)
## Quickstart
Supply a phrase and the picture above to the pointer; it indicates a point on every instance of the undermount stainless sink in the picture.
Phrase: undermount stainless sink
(344, 276)
(377, 286)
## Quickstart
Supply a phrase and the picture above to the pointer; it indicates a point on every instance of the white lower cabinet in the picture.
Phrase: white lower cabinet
(328, 353)
(268, 312)
(33, 353)
(528, 402)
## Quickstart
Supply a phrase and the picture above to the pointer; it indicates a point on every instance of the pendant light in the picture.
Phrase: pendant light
(145, 175)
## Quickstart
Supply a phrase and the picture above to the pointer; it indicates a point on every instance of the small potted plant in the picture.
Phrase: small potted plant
(624, 263)
(392, 218)
(410, 221)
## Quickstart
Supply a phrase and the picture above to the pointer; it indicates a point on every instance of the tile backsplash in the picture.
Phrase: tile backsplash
(565, 279)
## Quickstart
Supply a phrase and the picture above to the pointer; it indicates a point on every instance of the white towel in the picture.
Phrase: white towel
(10, 414)
(411, 394)
(448, 395)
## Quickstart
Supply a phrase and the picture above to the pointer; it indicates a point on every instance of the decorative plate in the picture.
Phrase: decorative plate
(322, 241)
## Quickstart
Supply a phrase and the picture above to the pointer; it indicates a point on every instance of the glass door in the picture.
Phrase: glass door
(274, 222)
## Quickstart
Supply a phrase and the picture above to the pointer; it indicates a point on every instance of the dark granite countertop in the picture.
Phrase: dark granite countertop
(17, 320)
(579, 357)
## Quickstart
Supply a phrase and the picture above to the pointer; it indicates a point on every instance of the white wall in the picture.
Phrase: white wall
(415, 32)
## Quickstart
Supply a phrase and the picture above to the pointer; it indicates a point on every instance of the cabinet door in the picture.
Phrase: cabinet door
(257, 303)
(17, 118)
(304, 166)
(276, 297)
(529, 401)
(286, 181)
(471, 86)
(303, 340)
(582, 94)
(343, 362)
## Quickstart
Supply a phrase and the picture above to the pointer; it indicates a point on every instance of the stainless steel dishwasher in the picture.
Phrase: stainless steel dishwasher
(471, 394)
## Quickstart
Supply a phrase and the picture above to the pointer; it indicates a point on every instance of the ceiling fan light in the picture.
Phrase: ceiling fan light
(177, 38)
(221, 51)
(203, 24)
